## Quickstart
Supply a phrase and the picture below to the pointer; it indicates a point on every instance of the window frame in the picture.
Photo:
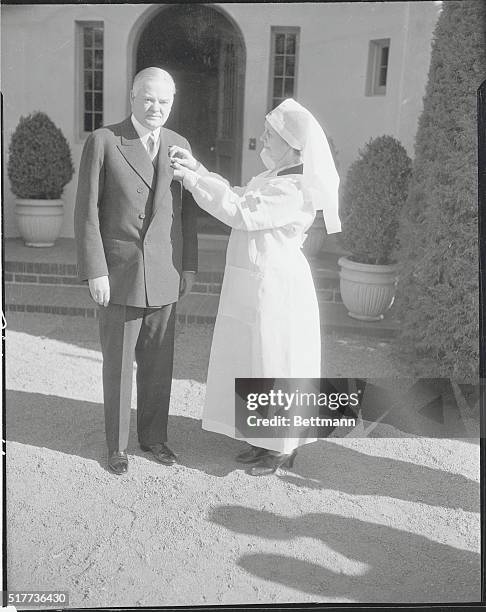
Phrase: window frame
(375, 51)
(80, 110)
(274, 30)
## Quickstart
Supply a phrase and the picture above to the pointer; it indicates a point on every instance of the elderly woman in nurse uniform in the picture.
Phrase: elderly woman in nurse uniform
(267, 324)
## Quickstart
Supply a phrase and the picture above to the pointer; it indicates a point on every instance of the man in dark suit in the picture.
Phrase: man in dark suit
(136, 239)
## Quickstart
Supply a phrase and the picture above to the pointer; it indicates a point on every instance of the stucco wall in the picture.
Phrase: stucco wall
(39, 70)
(332, 68)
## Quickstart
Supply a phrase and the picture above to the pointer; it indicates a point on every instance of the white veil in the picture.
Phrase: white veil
(301, 130)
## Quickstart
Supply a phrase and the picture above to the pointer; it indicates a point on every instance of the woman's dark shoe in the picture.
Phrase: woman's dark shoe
(251, 455)
(269, 464)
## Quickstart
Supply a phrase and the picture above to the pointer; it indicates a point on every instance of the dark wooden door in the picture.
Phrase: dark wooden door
(228, 138)
(205, 54)
(195, 113)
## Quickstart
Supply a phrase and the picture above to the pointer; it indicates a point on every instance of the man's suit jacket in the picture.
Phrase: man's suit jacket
(132, 221)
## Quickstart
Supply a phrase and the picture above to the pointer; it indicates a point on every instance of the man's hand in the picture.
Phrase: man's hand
(100, 290)
(187, 281)
(183, 157)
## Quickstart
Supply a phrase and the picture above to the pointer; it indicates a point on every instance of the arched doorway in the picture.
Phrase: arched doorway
(205, 53)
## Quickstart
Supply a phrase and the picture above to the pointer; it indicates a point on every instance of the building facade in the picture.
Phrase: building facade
(361, 68)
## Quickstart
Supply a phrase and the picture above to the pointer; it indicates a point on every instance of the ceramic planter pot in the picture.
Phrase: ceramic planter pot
(367, 290)
(39, 221)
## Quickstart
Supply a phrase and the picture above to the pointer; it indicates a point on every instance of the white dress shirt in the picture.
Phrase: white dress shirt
(144, 134)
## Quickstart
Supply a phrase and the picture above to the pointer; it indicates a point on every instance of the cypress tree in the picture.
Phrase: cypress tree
(437, 298)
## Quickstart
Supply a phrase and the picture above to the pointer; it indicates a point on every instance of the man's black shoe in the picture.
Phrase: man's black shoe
(118, 462)
(161, 452)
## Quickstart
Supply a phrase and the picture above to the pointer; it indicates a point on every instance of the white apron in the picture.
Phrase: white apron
(267, 324)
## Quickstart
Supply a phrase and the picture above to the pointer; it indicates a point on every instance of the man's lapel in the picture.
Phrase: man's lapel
(134, 152)
(165, 173)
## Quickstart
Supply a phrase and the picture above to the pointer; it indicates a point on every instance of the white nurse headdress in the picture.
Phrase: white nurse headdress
(300, 129)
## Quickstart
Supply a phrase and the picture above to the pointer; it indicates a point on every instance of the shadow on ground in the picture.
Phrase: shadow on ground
(76, 428)
(327, 465)
(191, 355)
(410, 567)
(71, 330)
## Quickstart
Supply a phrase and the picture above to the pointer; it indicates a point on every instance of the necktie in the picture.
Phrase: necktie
(151, 148)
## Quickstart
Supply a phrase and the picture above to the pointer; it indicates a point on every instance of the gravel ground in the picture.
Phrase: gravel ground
(356, 520)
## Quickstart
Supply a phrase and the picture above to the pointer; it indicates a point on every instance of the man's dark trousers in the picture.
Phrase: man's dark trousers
(146, 335)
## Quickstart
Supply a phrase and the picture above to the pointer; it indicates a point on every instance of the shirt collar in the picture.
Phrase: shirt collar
(144, 132)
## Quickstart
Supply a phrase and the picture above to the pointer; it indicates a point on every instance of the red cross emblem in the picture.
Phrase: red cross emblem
(251, 202)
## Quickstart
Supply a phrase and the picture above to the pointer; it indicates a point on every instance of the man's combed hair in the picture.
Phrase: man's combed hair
(154, 74)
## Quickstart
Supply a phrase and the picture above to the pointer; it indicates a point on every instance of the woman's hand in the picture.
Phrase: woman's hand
(179, 172)
(183, 157)
(188, 177)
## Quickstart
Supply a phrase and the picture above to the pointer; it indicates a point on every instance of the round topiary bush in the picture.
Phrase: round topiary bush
(39, 164)
(372, 197)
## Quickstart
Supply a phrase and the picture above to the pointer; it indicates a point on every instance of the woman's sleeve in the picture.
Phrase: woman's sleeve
(203, 171)
(277, 203)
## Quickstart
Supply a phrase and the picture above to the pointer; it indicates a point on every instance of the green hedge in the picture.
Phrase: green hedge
(39, 164)
(372, 197)
(438, 297)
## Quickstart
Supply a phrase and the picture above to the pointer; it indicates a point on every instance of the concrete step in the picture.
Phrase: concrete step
(212, 242)
(44, 281)
(207, 281)
(76, 301)
(194, 308)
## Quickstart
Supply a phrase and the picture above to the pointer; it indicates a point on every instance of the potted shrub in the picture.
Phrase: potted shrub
(372, 197)
(316, 234)
(39, 166)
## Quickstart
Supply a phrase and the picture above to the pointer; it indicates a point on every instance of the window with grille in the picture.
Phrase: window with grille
(90, 36)
(379, 52)
(283, 68)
